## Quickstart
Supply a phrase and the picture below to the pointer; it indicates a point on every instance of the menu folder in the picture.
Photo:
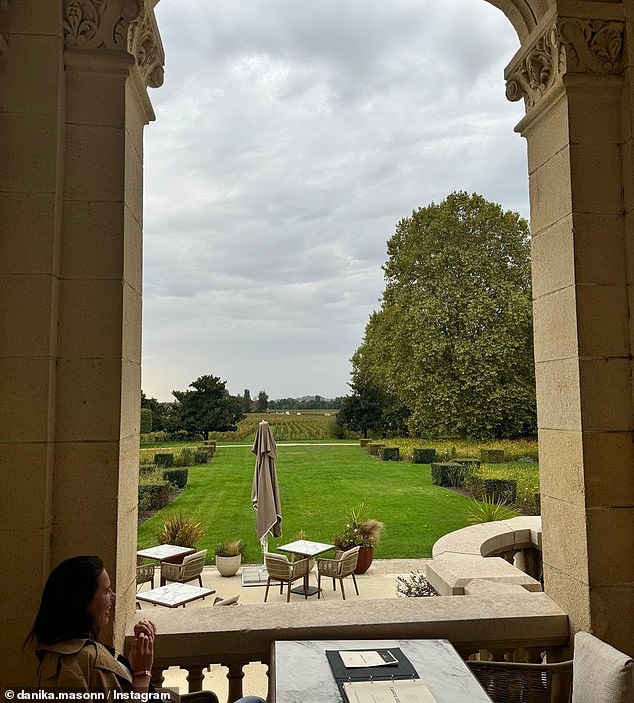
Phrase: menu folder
(403, 669)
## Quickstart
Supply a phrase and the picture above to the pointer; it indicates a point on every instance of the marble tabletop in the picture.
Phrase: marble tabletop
(174, 594)
(437, 663)
(165, 551)
(305, 547)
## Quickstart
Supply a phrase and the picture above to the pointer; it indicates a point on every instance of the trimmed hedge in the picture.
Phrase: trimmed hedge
(389, 454)
(472, 463)
(164, 460)
(450, 474)
(154, 495)
(176, 476)
(492, 456)
(146, 469)
(201, 457)
(423, 455)
(374, 448)
(495, 488)
(363, 443)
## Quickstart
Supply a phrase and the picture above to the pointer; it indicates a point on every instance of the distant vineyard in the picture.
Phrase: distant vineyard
(293, 427)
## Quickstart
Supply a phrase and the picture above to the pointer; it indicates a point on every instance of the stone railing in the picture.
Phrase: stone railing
(503, 552)
(193, 638)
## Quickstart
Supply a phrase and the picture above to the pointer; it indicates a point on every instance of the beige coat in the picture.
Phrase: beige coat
(83, 665)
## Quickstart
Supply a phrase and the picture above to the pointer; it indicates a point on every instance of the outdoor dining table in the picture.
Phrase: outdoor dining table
(309, 549)
(174, 595)
(436, 662)
(164, 552)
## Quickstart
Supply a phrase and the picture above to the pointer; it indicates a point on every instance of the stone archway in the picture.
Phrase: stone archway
(73, 103)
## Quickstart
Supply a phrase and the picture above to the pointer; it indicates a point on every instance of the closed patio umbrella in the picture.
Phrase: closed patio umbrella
(265, 493)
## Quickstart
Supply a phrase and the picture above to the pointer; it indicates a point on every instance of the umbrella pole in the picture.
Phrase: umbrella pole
(265, 544)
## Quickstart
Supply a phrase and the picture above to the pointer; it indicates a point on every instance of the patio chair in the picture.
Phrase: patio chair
(339, 568)
(281, 569)
(144, 574)
(600, 674)
(191, 568)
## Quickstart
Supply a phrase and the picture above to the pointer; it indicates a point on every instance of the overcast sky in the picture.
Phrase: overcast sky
(291, 137)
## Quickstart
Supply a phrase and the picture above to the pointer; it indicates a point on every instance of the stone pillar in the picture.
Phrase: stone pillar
(575, 79)
(71, 138)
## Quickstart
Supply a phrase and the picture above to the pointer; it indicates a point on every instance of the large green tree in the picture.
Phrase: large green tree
(453, 337)
(208, 407)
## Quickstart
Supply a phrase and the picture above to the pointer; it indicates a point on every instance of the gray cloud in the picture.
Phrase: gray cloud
(291, 138)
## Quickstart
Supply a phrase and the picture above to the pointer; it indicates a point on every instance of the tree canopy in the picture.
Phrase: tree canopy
(208, 407)
(452, 339)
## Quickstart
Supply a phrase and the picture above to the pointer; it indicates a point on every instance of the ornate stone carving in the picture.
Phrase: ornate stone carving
(570, 45)
(96, 24)
(144, 43)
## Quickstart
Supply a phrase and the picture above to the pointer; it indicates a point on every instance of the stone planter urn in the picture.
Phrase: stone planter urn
(228, 566)
(366, 554)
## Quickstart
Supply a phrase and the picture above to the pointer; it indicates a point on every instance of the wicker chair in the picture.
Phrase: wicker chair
(281, 569)
(144, 574)
(191, 568)
(339, 568)
(600, 674)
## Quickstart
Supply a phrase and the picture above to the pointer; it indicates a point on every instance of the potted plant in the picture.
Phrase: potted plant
(229, 557)
(360, 531)
(180, 531)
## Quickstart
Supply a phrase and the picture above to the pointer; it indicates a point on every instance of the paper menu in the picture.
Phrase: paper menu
(355, 659)
(405, 691)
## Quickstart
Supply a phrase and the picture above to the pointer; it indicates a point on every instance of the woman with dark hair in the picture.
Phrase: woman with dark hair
(76, 604)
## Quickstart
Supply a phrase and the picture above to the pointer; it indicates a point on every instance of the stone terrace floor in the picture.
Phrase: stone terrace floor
(378, 582)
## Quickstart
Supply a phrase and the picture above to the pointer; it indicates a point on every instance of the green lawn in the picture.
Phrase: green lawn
(318, 484)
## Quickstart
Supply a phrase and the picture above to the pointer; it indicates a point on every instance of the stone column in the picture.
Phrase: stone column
(111, 51)
(31, 173)
(574, 77)
(74, 104)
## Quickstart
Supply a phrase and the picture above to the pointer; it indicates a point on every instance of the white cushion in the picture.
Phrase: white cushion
(601, 674)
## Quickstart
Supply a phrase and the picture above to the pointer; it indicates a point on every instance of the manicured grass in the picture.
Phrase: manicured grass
(318, 485)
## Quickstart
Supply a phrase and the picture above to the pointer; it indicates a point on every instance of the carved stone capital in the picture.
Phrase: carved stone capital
(99, 24)
(144, 43)
(569, 45)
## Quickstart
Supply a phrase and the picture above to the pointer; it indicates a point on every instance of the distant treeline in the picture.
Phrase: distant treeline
(307, 403)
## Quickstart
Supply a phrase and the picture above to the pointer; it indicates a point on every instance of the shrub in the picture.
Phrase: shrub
(492, 456)
(498, 488)
(229, 549)
(178, 477)
(414, 586)
(180, 531)
(186, 457)
(374, 448)
(201, 457)
(164, 460)
(450, 474)
(422, 455)
(389, 454)
(363, 443)
(471, 463)
(146, 420)
(154, 492)
(489, 510)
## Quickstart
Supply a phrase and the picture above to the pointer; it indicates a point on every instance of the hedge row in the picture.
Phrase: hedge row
(451, 474)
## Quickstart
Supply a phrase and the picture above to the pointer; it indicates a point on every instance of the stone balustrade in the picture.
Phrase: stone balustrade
(193, 638)
(504, 552)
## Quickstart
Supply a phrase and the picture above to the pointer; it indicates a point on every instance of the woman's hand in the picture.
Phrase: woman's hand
(141, 658)
(145, 626)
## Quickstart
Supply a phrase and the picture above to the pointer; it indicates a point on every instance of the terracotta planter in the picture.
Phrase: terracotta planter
(366, 555)
(228, 566)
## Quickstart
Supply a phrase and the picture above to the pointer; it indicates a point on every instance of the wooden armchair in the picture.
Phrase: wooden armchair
(600, 674)
(339, 568)
(191, 568)
(281, 569)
